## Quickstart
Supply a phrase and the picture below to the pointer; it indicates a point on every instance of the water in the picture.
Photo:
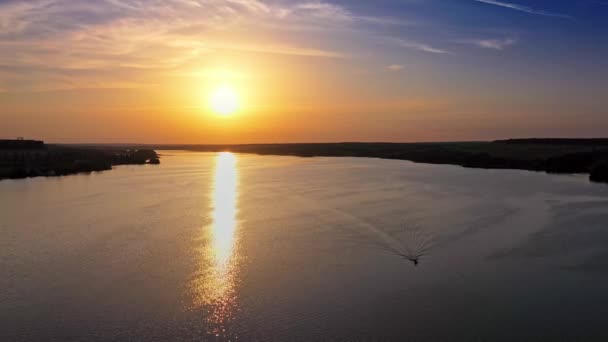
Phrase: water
(241, 247)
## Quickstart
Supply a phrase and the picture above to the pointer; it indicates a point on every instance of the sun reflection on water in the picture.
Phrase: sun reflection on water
(214, 287)
(225, 194)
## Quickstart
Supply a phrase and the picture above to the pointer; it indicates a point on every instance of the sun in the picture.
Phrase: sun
(224, 100)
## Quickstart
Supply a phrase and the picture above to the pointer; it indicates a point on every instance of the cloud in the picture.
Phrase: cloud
(252, 5)
(494, 44)
(395, 67)
(324, 10)
(526, 9)
(47, 44)
(421, 47)
(336, 14)
(72, 43)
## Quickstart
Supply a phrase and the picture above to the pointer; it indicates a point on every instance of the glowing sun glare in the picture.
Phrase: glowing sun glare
(223, 100)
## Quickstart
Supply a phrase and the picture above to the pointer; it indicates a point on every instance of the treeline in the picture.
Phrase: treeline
(21, 144)
(554, 156)
(50, 160)
(558, 141)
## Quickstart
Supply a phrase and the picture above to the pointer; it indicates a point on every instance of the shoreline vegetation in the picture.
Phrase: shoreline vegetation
(30, 158)
(558, 156)
(33, 158)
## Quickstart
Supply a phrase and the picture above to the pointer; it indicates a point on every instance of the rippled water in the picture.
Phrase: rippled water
(240, 247)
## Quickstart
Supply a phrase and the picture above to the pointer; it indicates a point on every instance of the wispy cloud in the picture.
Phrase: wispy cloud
(323, 10)
(421, 47)
(335, 13)
(494, 44)
(46, 44)
(395, 67)
(525, 9)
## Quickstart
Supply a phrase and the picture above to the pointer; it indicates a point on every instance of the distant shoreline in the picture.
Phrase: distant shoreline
(559, 156)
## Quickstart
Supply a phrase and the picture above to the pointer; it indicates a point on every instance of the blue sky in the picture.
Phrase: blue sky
(513, 67)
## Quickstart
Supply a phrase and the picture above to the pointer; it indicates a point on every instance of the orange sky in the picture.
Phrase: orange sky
(142, 72)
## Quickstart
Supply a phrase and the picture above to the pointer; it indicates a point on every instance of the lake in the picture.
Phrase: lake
(225, 246)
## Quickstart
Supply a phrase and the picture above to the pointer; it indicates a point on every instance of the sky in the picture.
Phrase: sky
(142, 71)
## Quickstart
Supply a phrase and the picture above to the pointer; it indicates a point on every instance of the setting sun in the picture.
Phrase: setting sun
(224, 100)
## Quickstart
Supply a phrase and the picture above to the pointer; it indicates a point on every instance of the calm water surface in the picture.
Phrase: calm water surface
(260, 248)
